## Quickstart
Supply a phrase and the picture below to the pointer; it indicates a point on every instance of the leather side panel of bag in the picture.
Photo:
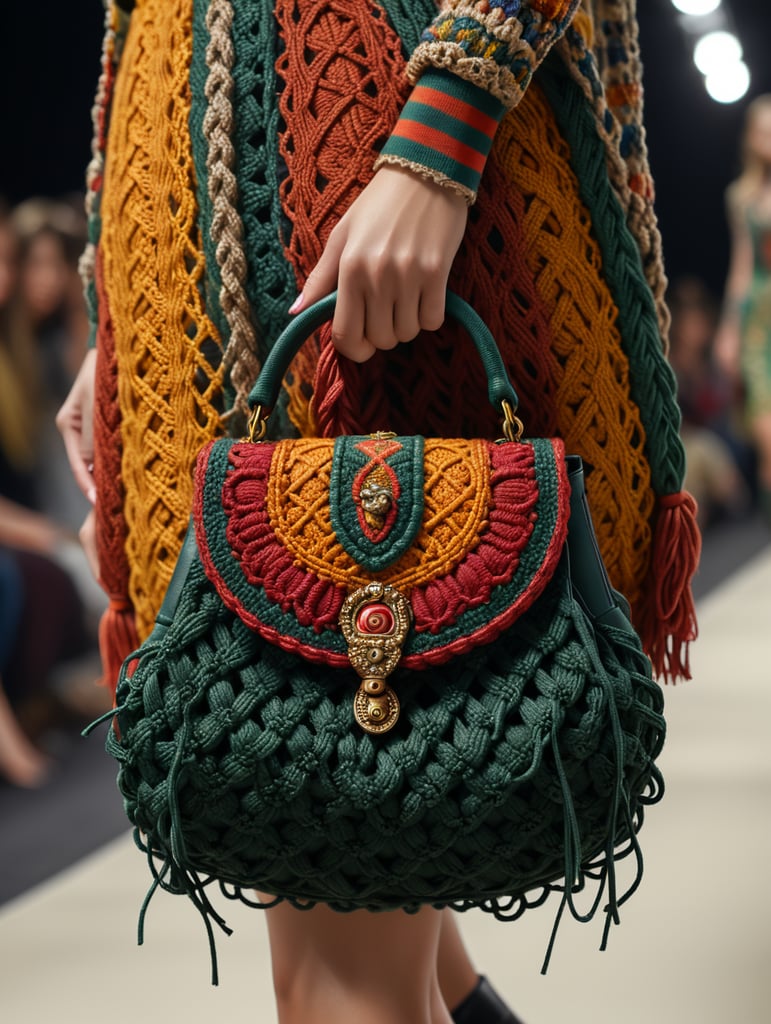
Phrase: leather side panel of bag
(589, 576)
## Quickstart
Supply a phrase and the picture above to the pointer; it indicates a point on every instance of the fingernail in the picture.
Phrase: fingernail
(296, 304)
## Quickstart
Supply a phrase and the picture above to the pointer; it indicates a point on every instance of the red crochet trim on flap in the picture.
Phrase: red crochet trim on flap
(265, 562)
(514, 495)
(462, 608)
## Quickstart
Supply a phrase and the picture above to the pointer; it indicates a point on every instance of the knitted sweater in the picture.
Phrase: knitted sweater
(230, 138)
(490, 51)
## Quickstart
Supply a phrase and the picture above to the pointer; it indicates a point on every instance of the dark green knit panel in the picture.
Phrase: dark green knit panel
(409, 18)
(520, 766)
(270, 283)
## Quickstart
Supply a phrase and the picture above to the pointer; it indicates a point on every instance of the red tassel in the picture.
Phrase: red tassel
(117, 639)
(667, 616)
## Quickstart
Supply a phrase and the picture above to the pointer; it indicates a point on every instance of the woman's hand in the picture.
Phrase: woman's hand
(75, 423)
(389, 258)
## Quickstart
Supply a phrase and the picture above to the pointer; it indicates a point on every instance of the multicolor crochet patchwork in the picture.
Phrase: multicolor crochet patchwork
(257, 124)
(477, 534)
(498, 45)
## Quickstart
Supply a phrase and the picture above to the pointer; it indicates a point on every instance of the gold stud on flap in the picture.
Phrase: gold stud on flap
(375, 621)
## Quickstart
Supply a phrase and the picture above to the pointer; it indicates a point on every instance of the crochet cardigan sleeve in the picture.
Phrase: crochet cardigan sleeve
(473, 63)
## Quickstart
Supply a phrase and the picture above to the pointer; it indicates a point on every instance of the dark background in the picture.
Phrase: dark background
(49, 65)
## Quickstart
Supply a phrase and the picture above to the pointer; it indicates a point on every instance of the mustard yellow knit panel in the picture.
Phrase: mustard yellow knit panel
(167, 347)
(592, 395)
(456, 505)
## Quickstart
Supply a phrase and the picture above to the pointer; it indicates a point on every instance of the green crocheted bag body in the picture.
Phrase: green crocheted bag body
(263, 780)
(516, 768)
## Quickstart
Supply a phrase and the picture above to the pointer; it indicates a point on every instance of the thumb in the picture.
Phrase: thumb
(323, 278)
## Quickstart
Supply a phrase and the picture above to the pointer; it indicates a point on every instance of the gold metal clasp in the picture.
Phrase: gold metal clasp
(258, 425)
(375, 621)
(513, 427)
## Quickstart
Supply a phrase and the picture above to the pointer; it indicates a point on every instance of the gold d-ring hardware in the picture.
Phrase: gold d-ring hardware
(513, 427)
(258, 425)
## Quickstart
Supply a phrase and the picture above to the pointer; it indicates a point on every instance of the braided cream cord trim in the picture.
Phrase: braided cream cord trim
(240, 358)
(95, 170)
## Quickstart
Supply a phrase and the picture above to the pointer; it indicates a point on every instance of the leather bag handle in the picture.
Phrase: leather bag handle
(264, 394)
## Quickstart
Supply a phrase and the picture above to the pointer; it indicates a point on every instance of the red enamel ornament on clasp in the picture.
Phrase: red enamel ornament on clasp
(376, 620)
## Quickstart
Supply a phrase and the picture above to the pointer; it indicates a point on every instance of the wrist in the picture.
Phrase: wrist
(445, 132)
(419, 175)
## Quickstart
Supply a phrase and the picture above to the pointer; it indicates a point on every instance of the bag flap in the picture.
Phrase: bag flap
(468, 531)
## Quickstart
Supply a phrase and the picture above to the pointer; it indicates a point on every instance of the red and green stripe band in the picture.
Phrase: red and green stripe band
(447, 126)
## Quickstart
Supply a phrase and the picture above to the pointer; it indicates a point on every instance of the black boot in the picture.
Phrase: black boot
(483, 1005)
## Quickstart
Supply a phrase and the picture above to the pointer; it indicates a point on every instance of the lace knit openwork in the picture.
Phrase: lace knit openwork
(238, 135)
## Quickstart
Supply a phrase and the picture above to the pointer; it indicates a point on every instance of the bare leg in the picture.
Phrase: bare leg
(357, 968)
(21, 763)
(457, 975)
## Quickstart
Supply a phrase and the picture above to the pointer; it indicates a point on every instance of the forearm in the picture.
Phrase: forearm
(23, 528)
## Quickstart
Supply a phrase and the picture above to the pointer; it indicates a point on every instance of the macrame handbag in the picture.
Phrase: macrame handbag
(389, 671)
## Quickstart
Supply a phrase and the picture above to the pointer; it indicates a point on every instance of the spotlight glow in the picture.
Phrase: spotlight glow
(728, 84)
(696, 8)
(715, 51)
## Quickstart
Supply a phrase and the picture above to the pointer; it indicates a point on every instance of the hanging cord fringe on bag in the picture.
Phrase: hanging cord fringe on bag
(170, 876)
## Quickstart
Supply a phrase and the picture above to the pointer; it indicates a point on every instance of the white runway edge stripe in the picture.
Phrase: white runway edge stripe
(692, 948)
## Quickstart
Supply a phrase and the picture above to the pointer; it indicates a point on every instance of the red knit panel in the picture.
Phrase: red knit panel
(117, 634)
(344, 87)
(331, 53)
(111, 528)
(425, 387)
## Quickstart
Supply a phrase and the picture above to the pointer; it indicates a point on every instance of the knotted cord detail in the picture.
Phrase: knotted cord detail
(240, 359)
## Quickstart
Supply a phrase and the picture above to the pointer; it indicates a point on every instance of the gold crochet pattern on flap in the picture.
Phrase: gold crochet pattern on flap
(455, 495)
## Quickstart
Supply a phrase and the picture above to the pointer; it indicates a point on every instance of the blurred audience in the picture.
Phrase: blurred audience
(51, 235)
(720, 469)
(21, 762)
(49, 603)
(20, 379)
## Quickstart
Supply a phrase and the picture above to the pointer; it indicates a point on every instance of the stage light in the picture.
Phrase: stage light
(716, 50)
(729, 83)
(696, 8)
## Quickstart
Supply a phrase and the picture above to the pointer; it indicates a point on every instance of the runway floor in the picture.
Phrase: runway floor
(693, 946)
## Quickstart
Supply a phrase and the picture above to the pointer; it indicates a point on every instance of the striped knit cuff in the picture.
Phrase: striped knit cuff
(445, 131)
